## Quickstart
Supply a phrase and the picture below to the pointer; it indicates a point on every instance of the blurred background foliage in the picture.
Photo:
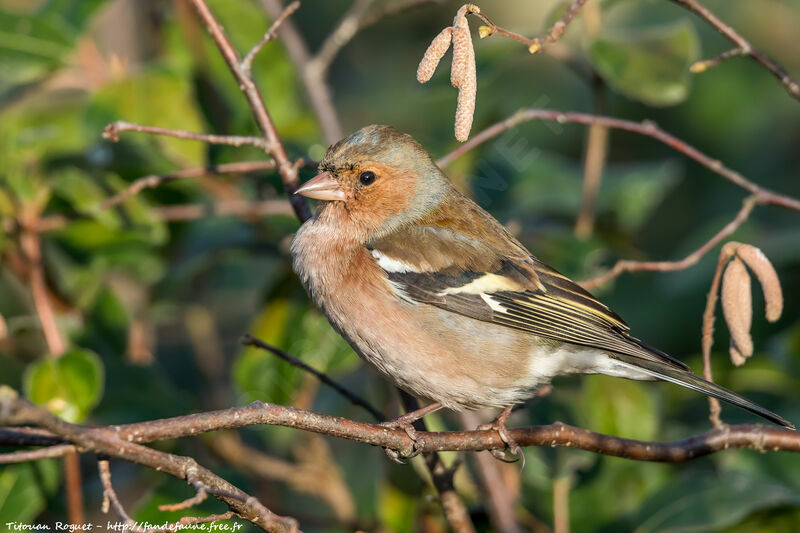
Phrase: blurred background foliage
(153, 309)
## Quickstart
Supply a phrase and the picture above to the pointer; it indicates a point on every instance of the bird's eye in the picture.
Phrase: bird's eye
(367, 177)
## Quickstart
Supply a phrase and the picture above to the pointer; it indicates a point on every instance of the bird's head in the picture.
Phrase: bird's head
(377, 179)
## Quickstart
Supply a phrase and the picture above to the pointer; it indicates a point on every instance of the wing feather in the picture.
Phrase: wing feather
(515, 291)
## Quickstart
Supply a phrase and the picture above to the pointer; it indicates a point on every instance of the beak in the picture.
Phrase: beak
(322, 187)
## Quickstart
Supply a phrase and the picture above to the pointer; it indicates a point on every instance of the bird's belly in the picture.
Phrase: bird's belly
(430, 352)
(453, 359)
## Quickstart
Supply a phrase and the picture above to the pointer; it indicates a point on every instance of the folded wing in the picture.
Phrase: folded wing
(439, 266)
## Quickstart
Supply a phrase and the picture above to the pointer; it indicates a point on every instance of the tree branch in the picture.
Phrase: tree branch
(273, 146)
(240, 208)
(345, 30)
(23, 456)
(153, 181)
(317, 90)
(626, 265)
(535, 44)
(15, 410)
(647, 128)
(442, 477)
(112, 131)
(272, 32)
(759, 195)
(355, 399)
(743, 48)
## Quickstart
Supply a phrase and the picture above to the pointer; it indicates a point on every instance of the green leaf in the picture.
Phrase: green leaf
(259, 375)
(629, 192)
(632, 192)
(651, 65)
(707, 503)
(69, 385)
(24, 489)
(157, 97)
(84, 194)
(395, 508)
(34, 42)
(618, 407)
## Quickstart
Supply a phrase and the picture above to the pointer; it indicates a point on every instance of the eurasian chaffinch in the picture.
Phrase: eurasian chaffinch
(433, 291)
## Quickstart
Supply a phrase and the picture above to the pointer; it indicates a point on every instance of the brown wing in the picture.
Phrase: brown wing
(438, 266)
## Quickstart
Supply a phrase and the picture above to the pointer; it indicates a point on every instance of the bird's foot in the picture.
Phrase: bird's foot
(405, 422)
(513, 451)
(416, 448)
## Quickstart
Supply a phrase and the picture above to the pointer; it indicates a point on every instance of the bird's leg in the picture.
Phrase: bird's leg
(499, 425)
(405, 422)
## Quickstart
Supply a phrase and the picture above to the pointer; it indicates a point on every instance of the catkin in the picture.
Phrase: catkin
(767, 277)
(737, 307)
(462, 44)
(462, 71)
(467, 92)
(434, 54)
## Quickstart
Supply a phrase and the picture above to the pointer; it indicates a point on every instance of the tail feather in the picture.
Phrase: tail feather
(690, 381)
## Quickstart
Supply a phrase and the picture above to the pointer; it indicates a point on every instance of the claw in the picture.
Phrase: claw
(404, 422)
(416, 449)
(499, 425)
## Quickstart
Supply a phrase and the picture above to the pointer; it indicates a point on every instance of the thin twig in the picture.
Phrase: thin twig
(112, 131)
(743, 47)
(499, 501)
(387, 9)
(702, 66)
(16, 410)
(355, 399)
(360, 15)
(239, 208)
(190, 520)
(743, 436)
(28, 436)
(152, 181)
(57, 346)
(315, 474)
(593, 165)
(455, 512)
(31, 246)
(535, 44)
(314, 83)
(596, 149)
(272, 144)
(188, 503)
(313, 69)
(561, 486)
(73, 487)
(23, 456)
(626, 265)
(453, 508)
(648, 129)
(186, 212)
(272, 32)
(110, 496)
(345, 30)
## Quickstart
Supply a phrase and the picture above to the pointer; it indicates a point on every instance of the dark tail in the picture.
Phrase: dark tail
(690, 381)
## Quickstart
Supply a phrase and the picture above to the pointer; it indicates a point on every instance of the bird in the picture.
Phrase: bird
(433, 291)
